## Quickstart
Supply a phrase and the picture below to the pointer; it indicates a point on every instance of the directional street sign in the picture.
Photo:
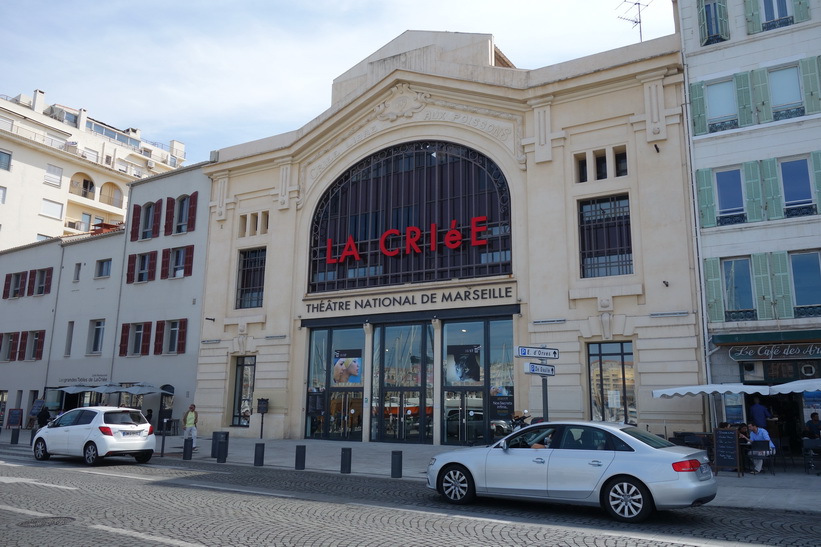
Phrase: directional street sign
(538, 368)
(540, 353)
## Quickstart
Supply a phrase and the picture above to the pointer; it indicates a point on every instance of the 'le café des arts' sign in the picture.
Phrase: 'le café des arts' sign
(775, 351)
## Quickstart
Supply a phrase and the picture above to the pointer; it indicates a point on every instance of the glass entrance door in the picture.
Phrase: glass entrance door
(345, 415)
(465, 418)
(405, 419)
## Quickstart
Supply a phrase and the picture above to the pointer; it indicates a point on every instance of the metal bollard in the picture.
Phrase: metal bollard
(396, 464)
(259, 454)
(346, 461)
(34, 431)
(187, 449)
(15, 436)
(299, 464)
(222, 451)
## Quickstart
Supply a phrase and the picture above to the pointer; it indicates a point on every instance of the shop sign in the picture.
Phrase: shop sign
(775, 351)
(393, 242)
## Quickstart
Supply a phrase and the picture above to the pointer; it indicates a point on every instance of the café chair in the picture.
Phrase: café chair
(811, 451)
(760, 450)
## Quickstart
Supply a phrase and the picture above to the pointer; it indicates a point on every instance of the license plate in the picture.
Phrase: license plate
(129, 433)
(705, 470)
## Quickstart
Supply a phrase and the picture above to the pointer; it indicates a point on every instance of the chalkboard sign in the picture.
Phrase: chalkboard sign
(15, 418)
(36, 407)
(726, 450)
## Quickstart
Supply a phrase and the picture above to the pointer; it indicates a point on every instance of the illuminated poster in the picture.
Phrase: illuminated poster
(346, 367)
(462, 365)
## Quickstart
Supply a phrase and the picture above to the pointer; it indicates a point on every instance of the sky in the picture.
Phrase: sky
(216, 73)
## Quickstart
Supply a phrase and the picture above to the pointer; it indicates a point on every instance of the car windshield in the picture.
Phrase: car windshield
(124, 417)
(647, 438)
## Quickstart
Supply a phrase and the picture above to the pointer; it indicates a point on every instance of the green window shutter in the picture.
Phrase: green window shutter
(771, 186)
(754, 206)
(751, 13)
(723, 19)
(761, 95)
(761, 282)
(782, 288)
(801, 10)
(698, 109)
(702, 22)
(744, 98)
(816, 169)
(810, 73)
(706, 197)
(714, 292)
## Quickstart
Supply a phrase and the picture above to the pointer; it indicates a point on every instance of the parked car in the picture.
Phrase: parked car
(474, 424)
(625, 470)
(96, 432)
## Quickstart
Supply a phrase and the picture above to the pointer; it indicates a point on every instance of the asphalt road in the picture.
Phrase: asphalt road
(64, 503)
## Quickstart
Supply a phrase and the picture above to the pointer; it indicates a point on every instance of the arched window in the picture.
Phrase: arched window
(147, 224)
(416, 212)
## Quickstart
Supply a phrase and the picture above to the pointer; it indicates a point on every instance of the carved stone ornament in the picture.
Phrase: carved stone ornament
(403, 103)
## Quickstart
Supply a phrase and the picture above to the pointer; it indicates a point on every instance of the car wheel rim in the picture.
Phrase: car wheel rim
(39, 449)
(626, 499)
(91, 453)
(455, 485)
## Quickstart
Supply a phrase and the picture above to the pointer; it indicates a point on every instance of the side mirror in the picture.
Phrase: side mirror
(504, 445)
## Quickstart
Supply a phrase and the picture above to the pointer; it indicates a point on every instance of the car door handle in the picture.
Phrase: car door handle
(538, 460)
(595, 463)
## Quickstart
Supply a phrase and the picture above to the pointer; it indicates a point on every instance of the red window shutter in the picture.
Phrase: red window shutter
(7, 286)
(155, 229)
(158, 338)
(135, 222)
(181, 335)
(49, 272)
(189, 260)
(165, 265)
(32, 282)
(21, 349)
(192, 211)
(169, 216)
(41, 342)
(15, 341)
(23, 283)
(124, 340)
(146, 345)
(132, 268)
(152, 266)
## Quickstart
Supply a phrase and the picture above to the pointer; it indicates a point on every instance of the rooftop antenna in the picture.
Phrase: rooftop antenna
(637, 19)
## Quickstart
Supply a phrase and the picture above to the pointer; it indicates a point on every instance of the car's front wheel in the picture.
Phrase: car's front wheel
(143, 457)
(456, 485)
(627, 499)
(90, 454)
(40, 450)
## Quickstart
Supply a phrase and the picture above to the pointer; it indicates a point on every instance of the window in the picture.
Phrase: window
(250, 278)
(181, 224)
(14, 285)
(177, 262)
(798, 191)
(51, 209)
(69, 336)
(103, 268)
(135, 339)
(712, 21)
(147, 221)
(785, 93)
(776, 14)
(77, 267)
(96, 333)
(738, 290)
(31, 345)
(243, 390)
(620, 155)
(54, 175)
(170, 337)
(143, 267)
(730, 196)
(605, 240)
(612, 382)
(8, 350)
(722, 113)
(763, 15)
(806, 274)
(136, 342)
(5, 160)
(2, 195)
(41, 281)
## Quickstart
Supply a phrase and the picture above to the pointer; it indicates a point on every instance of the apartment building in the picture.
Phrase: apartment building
(63, 172)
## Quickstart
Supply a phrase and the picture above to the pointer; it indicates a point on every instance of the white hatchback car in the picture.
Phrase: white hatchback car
(96, 432)
(625, 470)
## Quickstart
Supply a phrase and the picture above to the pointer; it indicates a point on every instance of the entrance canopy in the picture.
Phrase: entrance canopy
(798, 386)
(709, 389)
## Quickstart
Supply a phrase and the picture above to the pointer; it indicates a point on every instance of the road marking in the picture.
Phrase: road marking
(23, 511)
(242, 490)
(11, 480)
(122, 476)
(147, 537)
(7, 464)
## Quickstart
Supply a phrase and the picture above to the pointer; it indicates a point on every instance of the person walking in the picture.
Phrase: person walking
(43, 417)
(189, 425)
(759, 413)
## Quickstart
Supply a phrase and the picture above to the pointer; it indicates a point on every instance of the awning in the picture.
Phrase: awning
(137, 389)
(702, 389)
(75, 389)
(143, 389)
(798, 386)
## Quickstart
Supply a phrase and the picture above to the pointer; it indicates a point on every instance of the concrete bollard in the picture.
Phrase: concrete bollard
(396, 464)
(34, 431)
(346, 461)
(299, 464)
(15, 436)
(259, 454)
(187, 449)
(222, 450)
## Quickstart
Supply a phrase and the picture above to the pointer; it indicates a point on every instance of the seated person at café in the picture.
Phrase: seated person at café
(812, 429)
(760, 434)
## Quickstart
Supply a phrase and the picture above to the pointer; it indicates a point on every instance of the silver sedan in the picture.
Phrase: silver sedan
(625, 470)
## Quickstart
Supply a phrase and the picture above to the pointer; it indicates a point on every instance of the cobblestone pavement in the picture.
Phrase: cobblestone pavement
(176, 502)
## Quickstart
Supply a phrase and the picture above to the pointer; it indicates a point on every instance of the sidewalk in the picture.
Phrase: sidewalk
(790, 490)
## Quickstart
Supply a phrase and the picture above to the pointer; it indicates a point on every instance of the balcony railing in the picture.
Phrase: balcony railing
(806, 311)
(740, 315)
(114, 201)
